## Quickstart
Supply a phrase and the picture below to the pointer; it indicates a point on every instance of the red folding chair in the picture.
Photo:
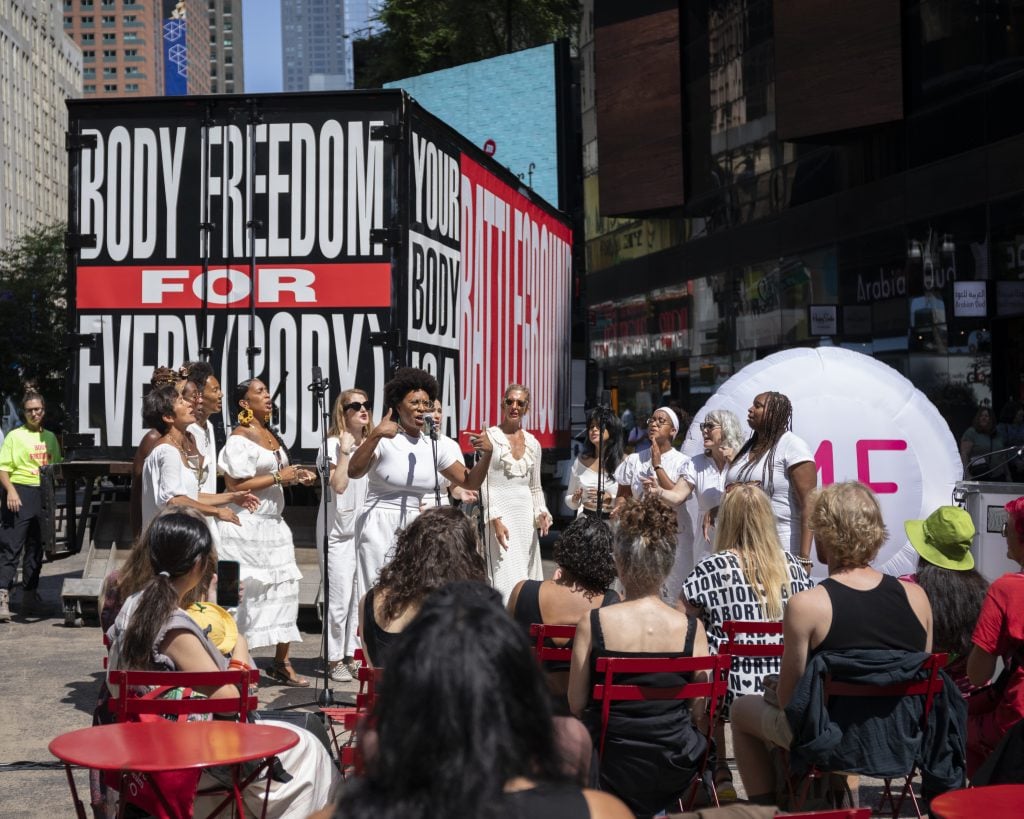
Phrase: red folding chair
(714, 688)
(543, 646)
(751, 628)
(926, 686)
(343, 721)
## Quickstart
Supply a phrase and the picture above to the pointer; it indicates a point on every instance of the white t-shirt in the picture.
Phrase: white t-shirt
(403, 472)
(164, 476)
(341, 509)
(636, 468)
(207, 446)
(585, 478)
(710, 482)
(454, 452)
(790, 451)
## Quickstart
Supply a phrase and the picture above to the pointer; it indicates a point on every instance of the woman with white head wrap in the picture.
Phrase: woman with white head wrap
(663, 468)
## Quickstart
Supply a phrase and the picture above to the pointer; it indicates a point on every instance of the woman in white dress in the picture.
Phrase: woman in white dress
(514, 508)
(350, 424)
(171, 473)
(399, 464)
(657, 469)
(593, 471)
(783, 466)
(254, 460)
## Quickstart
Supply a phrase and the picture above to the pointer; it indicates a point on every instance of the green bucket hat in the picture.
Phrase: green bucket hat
(944, 538)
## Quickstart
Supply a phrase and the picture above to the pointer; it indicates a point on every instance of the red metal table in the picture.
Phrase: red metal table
(971, 803)
(154, 747)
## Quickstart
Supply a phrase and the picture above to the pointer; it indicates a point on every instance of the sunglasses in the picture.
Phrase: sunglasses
(355, 406)
(514, 402)
(709, 427)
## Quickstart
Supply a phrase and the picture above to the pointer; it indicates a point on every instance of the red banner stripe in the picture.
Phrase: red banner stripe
(179, 287)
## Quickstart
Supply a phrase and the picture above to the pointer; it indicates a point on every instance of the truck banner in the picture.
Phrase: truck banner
(244, 228)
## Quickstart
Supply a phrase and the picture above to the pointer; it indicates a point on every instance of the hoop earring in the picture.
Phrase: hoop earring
(245, 417)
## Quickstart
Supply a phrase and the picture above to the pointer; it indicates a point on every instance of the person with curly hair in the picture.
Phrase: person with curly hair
(855, 607)
(254, 459)
(652, 750)
(211, 402)
(783, 466)
(593, 471)
(582, 581)
(399, 464)
(439, 546)
(461, 725)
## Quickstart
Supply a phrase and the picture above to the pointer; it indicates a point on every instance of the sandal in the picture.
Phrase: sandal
(283, 673)
(723, 784)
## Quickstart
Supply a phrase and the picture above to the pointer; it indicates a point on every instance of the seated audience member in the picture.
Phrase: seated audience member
(652, 750)
(582, 582)
(945, 570)
(153, 632)
(856, 607)
(461, 723)
(437, 547)
(999, 634)
(749, 577)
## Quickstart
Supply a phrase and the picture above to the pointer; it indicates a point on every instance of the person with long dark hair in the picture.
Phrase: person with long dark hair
(350, 424)
(153, 632)
(254, 459)
(945, 570)
(977, 447)
(438, 547)
(782, 464)
(593, 471)
(584, 573)
(461, 725)
(399, 464)
(652, 750)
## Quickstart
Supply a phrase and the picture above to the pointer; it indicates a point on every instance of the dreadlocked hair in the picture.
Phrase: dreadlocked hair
(778, 420)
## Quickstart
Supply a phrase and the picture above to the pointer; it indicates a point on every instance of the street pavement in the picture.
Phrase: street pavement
(50, 681)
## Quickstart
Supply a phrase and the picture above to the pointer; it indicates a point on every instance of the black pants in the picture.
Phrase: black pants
(15, 528)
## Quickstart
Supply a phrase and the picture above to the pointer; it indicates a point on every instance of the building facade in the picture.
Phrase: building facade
(141, 49)
(776, 174)
(227, 57)
(39, 68)
(314, 47)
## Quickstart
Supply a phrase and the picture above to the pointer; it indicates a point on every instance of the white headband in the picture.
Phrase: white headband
(671, 413)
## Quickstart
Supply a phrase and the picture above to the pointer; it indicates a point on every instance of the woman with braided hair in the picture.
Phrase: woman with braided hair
(782, 465)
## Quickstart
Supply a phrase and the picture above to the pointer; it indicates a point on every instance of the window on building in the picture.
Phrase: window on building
(131, 86)
(86, 4)
(109, 20)
(131, 53)
(110, 87)
(110, 71)
(89, 89)
(89, 54)
(88, 38)
(68, 22)
(110, 38)
(109, 53)
(88, 73)
(87, 20)
(129, 19)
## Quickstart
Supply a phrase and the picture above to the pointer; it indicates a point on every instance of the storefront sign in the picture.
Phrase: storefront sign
(970, 299)
(823, 319)
(863, 421)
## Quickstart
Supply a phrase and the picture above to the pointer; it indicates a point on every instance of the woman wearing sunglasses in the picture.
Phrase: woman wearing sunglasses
(254, 459)
(514, 507)
(350, 424)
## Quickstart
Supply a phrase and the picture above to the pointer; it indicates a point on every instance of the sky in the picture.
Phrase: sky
(261, 30)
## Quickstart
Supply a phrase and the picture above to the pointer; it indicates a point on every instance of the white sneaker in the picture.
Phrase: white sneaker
(5, 608)
(340, 673)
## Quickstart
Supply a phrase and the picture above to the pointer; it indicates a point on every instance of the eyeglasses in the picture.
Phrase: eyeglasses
(427, 405)
(708, 427)
(658, 422)
(514, 402)
(355, 406)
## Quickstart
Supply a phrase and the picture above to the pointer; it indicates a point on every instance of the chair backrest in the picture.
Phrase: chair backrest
(608, 691)
(927, 686)
(540, 632)
(369, 678)
(127, 705)
(751, 628)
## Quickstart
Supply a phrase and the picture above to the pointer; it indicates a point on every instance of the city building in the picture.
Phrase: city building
(227, 58)
(314, 49)
(141, 49)
(799, 173)
(39, 68)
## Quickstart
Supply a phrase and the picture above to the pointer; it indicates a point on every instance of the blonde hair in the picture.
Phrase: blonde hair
(847, 523)
(338, 424)
(746, 524)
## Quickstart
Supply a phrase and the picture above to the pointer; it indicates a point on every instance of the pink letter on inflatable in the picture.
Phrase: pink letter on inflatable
(864, 449)
(825, 463)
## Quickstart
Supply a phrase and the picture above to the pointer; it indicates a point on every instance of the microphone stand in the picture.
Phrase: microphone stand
(319, 389)
(600, 462)
(433, 450)
(1016, 450)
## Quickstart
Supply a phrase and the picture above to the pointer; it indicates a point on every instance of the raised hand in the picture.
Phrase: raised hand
(386, 428)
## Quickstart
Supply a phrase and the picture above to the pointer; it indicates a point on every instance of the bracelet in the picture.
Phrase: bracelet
(277, 477)
(805, 561)
(658, 466)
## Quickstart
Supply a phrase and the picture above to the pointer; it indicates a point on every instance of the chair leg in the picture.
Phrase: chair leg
(79, 807)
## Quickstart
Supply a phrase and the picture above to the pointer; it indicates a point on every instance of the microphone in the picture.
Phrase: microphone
(1016, 450)
(319, 383)
(430, 426)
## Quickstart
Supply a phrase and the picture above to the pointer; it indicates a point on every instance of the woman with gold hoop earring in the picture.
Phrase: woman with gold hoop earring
(254, 459)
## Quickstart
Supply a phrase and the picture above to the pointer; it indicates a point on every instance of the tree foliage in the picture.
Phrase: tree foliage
(33, 309)
(428, 35)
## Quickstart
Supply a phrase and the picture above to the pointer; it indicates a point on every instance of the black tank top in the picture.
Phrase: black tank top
(544, 801)
(881, 617)
(376, 640)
